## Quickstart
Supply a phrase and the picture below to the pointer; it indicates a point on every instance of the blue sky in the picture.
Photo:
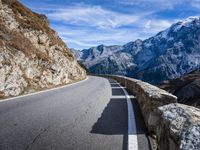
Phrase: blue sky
(87, 23)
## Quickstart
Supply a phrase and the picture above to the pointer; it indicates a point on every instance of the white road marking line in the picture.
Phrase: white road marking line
(132, 130)
(115, 83)
(118, 87)
(43, 91)
(122, 96)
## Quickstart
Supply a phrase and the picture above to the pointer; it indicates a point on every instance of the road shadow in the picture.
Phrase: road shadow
(114, 85)
(117, 91)
(114, 119)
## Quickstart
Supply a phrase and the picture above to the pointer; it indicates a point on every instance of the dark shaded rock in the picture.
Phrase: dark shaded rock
(186, 88)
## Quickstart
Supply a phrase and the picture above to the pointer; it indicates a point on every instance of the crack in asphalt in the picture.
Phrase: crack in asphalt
(35, 138)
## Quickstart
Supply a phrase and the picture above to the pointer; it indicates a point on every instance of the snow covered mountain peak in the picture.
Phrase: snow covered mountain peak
(169, 54)
(188, 22)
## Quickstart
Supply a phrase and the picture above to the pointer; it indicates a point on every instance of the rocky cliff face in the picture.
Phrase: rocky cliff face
(186, 88)
(167, 55)
(32, 56)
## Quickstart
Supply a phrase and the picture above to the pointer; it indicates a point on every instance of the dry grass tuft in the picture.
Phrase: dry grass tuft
(19, 42)
(33, 21)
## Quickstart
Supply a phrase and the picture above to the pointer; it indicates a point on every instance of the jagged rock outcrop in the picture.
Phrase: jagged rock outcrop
(179, 127)
(32, 56)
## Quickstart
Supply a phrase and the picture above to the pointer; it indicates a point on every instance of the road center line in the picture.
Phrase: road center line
(132, 130)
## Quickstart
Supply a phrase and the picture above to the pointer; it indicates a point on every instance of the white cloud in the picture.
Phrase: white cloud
(148, 24)
(78, 43)
(157, 4)
(88, 37)
(83, 26)
(94, 25)
(94, 16)
(196, 3)
(157, 25)
(84, 38)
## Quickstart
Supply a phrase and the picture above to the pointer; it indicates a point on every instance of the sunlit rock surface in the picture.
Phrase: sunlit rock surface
(32, 56)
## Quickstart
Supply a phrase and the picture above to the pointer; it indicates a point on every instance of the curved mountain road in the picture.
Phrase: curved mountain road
(92, 115)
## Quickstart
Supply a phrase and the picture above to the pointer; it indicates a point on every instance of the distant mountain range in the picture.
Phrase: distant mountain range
(167, 55)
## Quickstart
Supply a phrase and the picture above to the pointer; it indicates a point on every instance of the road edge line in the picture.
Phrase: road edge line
(132, 129)
(43, 91)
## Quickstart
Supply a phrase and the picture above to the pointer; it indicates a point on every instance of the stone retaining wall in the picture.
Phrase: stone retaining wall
(174, 126)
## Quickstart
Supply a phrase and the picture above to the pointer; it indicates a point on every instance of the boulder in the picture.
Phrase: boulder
(179, 127)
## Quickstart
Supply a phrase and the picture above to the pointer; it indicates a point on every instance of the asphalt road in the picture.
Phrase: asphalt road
(88, 115)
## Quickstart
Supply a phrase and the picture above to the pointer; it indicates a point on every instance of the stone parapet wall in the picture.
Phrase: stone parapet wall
(174, 126)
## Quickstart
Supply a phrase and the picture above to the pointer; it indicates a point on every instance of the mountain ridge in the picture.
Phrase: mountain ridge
(167, 55)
